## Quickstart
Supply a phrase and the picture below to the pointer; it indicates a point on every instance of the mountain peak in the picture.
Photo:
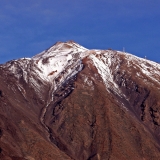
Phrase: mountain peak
(75, 103)
(70, 41)
(61, 48)
(63, 45)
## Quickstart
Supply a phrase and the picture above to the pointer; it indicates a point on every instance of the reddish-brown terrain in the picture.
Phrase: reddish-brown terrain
(72, 103)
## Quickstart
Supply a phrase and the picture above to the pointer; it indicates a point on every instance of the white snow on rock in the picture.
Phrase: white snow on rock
(64, 60)
(148, 68)
(103, 65)
(54, 60)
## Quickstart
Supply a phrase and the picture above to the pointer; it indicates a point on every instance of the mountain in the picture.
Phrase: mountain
(69, 102)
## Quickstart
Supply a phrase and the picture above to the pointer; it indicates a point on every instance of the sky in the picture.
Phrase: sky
(28, 27)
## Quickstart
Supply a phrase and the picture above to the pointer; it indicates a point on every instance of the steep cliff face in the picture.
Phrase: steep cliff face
(69, 102)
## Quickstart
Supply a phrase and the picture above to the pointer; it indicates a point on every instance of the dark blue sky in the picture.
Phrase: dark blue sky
(28, 27)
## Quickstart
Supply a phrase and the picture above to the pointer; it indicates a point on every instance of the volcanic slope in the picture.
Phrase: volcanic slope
(69, 102)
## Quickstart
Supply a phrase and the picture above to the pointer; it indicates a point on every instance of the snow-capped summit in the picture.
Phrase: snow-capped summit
(63, 60)
(57, 58)
(61, 49)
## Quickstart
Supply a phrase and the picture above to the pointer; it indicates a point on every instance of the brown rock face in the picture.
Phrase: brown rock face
(96, 114)
(21, 134)
(90, 124)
